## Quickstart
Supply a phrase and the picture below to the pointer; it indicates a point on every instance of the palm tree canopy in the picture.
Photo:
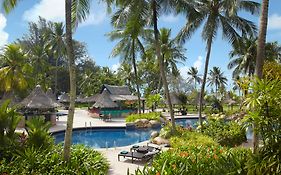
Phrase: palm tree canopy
(193, 75)
(217, 78)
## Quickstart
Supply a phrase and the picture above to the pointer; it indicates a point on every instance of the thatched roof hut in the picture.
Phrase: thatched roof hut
(116, 90)
(51, 94)
(174, 99)
(104, 101)
(38, 99)
(64, 98)
(14, 100)
(91, 99)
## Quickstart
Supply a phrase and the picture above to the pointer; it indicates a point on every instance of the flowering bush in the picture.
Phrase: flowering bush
(148, 116)
(203, 160)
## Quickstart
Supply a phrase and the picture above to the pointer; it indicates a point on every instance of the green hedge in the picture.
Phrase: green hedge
(84, 160)
(148, 116)
(226, 133)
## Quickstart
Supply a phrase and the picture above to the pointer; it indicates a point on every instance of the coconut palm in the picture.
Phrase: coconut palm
(216, 14)
(262, 38)
(13, 74)
(217, 79)
(193, 76)
(149, 10)
(129, 46)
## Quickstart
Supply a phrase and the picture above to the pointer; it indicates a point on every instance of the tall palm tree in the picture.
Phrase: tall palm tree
(262, 38)
(193, 76)
(13, 74)
(216, 14)
(149, 10)
(217, 79)
(244, 54)
(261, 55)
(129, 46)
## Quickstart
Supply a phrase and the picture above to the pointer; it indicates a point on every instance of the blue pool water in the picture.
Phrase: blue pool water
(107, 138)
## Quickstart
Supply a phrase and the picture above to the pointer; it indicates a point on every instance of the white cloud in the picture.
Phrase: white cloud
(3, 35)
(198, 63)
(274, 21)
(115, 67)
(170, 18)
(54, 10)
(183, 72)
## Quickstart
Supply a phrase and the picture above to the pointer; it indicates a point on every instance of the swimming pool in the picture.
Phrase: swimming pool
(107, 138)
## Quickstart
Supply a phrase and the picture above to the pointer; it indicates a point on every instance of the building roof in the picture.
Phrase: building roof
(125, 98)
(104, 101)
(51, 94)
(38, 99)
(174, 99)
(116, 90)
(64, 98)
(91, 99)
(10, 96)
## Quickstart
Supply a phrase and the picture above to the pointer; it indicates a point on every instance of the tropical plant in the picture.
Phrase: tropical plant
(152, 100)
(148, 116)
(128, 47)
(216, 14)
(38, 133)
(193, 76)
(14, 73)
(217, 79)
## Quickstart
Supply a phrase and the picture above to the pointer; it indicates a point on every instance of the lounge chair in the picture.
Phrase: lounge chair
(144, 149)
(137, 155)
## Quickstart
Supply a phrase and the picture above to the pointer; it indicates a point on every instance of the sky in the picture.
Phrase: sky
(93, 30)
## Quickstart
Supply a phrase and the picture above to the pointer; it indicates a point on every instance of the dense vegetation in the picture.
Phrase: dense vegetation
(148, 116)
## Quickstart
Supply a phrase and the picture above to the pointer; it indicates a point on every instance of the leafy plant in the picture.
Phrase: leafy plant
(148, 116)
(38, 133)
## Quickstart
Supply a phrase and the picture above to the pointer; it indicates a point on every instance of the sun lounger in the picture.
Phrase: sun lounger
(137, 155)
(144, 149)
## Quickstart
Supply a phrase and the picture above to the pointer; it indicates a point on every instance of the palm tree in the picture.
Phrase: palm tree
(217, 79)
(216, 13)
(260, 56)
(13, 74)
(129, 46)
(262, 38)
(244, 53)
(149, 10)
(193, 73)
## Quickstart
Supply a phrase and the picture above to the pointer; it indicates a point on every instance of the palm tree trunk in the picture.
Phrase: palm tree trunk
(161, 65)
(209, 47)
(136, 76)
(71, 64)
(260, 58)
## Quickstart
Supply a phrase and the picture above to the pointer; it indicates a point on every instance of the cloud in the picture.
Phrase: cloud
(183, 72)
(115, 67)
(54, 10)
(198, 63)
(3, 35)
(170, 18)
(274, 22)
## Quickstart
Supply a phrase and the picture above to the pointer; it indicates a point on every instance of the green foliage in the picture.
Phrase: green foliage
(264, 102)
(84, 160)
(9, 120)
(189, 138)
(226, 133)
(148, 116)
(38, 133)
(152, 100)
(203, 160)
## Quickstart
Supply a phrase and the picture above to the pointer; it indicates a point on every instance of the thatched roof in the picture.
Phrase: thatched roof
(91, 99)
(230, 101)
(64, 98)
(104, 101)
(116, 90)
(38, 99)
(174, 99)
(79, 99)
(51, 94)
(125, 98)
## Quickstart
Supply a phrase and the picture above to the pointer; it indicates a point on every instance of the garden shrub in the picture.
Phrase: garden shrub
(84, 160)
(226, 133)
(148, 116)
(189, 138)
(200, 160)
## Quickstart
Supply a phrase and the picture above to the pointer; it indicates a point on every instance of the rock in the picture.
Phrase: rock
(154, 123)
(154, 134)
(130, 125)
(162, 120)
(142, 123)
(160, 141)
